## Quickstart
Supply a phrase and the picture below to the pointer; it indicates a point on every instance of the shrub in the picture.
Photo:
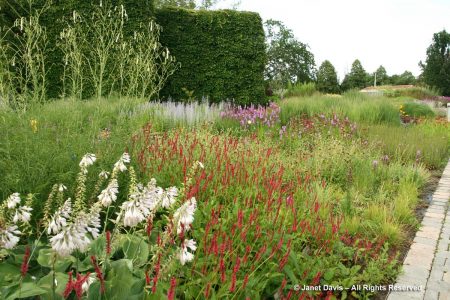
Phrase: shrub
(222, 54)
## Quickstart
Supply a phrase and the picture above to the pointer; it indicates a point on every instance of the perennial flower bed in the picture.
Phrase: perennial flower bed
(237, 215)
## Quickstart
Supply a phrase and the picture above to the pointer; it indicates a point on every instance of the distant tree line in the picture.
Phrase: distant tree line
(291, 62)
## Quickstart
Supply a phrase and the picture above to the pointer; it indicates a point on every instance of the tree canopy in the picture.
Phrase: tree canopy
(436, 69)
(381, 76)
(357, 78)
(327, 80)
(289, 60)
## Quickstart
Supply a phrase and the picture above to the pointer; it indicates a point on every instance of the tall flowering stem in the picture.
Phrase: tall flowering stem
(26, 260)
(99, 273)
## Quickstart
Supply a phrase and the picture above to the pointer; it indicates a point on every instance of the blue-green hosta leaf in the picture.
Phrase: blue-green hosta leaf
(136, 249)
(121, 283)
(60, 284)
(25, 290)
(46, 257)
(9, 273)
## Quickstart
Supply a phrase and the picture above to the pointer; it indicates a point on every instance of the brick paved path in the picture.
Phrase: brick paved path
(427, 264)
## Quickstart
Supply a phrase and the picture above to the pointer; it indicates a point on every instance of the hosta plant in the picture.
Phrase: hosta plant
(121, 241)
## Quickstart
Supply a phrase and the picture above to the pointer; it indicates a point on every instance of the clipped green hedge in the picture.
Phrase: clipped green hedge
(222, 54)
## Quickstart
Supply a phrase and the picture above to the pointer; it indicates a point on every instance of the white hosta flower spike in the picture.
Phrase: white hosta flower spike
(9, 237)
(87, 160)
(109, 195)
(62, 188)
(120, 164)
(13, 200)
(59, 219)
(143, 202)
(169, 197)
(184, 255)
(133, 214)
(103, 174)
(184, 215)
(22, 214)
(75, 235)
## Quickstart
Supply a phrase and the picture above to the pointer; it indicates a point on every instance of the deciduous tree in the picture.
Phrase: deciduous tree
(436, 68)
(289, 60)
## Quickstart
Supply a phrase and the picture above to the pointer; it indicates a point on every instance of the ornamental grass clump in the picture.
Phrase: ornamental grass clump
(84, 243)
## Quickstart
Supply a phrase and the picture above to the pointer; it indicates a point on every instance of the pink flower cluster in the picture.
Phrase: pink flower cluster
(251, 115)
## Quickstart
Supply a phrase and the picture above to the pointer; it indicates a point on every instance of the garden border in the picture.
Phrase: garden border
(427, 264)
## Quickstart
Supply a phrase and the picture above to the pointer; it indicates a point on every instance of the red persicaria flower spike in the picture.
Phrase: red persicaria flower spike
(244, 283)
(24, 267)
(240, 218)
(237, 265)
(78, 285)
(149, 226)
(171, 294)
(222, 270)
(159, 240)
(155, 282)
(208, 287)
(233, 283)
(69, 286)
(147, 278)
(98, 271)
(108, 242)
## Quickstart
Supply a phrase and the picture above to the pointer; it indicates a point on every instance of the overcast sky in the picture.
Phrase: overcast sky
(392, 33)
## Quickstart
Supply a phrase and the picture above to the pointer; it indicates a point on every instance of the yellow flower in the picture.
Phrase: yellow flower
(34, 124)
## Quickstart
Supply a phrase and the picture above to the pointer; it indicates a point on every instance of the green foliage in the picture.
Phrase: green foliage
(180, 3)
(381, 76)
(358, 107)
(432, 142)
(288, 60)
(52, 20)
(322, 172)
(301, 89)
(406, 78)
(327, 81)
(24, 70)
(98, 52)
(417, 92)
(221, 54)
(191, 4)
(436, 69)
(356, 79)
(418, 110)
